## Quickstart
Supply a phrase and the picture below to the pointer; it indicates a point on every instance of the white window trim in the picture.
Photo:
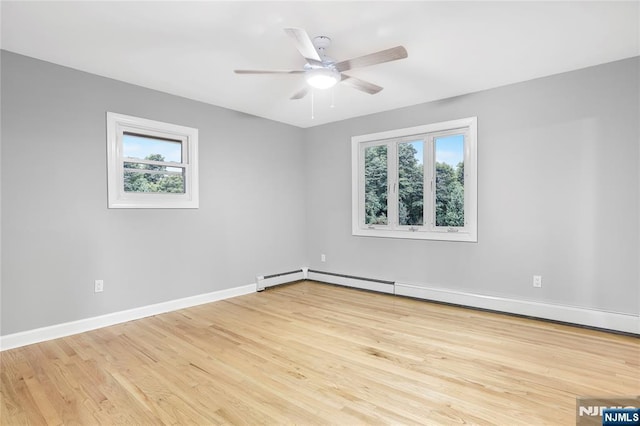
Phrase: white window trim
(117, 125)
(428, 231)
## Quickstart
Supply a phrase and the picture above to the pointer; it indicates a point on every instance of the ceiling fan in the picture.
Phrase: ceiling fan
(322, 72)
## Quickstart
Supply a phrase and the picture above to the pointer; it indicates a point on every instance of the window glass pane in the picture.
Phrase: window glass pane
(375, 185)
(157, 182)
(148, 148)
(410, 183)
(449, 151)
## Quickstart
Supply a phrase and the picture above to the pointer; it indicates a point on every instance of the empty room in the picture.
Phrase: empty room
(311, 212)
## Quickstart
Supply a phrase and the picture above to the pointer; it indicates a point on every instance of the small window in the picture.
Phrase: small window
(151, 164)
(417, 183)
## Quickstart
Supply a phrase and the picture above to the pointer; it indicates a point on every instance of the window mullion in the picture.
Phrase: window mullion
(468, 166)
(429, 183)
(392, 173)
(153, 172)
(361, 185)
(153, 162)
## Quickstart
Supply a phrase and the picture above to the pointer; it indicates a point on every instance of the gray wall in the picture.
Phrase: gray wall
(58, 234)
(558, 194)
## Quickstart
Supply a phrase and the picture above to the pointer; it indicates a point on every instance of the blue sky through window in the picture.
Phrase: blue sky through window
(450, 149)
(419, 146)
(141, 147)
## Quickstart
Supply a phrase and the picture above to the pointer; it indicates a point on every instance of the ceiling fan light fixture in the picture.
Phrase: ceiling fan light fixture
(322, 78)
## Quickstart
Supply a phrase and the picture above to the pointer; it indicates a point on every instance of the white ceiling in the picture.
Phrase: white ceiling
(191, 48)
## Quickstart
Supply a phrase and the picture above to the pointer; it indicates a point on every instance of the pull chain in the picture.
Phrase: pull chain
(312, 103)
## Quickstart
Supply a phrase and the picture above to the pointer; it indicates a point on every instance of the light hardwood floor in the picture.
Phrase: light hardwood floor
(310, 353)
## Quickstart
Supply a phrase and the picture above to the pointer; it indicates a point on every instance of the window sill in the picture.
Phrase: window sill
(470, 237)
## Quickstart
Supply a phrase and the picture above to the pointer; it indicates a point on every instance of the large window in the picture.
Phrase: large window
(151, 164)
(416, 183)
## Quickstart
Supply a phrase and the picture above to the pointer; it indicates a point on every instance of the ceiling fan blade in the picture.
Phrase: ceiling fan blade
(303, 44)
(362, 85)
(269, 71)
(395, 53)
(300, 94)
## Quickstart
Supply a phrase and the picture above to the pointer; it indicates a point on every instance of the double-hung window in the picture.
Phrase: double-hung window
(151, 164)
(417, 183)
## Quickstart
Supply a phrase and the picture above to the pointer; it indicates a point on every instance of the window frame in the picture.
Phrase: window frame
(428, 134)
(117, 126)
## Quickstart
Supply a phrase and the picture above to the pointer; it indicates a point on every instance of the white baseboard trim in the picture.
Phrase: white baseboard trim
(263, 282)
(350, 281)
(576, 315)
(37, 335)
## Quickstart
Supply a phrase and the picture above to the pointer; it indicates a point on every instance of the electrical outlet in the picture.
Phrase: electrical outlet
(323, 258)
(98, 286)
(537, 280)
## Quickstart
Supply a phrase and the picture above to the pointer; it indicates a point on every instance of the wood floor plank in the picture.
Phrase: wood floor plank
(310, 353)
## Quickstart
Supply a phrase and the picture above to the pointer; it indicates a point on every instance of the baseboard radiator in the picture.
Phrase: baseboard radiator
(594, 318)
(613, 321)
(372, 284)
(264, 281)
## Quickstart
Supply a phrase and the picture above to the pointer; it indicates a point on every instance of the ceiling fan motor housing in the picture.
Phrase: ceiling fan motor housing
(321, 43)
(322, 72)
